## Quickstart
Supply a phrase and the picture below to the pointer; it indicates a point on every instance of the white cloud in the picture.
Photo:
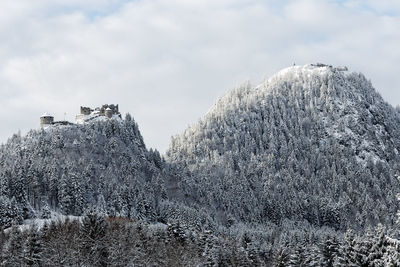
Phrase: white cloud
(385, 6)
(165, 62)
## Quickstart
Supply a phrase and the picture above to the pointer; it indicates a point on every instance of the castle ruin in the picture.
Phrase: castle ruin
(86, 114)
(106, 110)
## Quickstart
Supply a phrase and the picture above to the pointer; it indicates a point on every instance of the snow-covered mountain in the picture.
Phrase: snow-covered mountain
(271, 176)
(312, 143)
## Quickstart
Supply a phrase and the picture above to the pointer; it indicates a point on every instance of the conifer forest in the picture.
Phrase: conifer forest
(300, 170)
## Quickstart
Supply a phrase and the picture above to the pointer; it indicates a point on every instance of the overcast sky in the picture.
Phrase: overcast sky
(166, 62)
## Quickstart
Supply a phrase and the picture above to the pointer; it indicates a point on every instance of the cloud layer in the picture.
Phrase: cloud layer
(166, 62)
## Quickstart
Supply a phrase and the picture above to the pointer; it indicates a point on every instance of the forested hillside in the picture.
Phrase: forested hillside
(69, 168)
(312, 143)
(301, 170)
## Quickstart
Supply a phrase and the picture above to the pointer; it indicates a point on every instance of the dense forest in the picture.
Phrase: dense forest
(301, 170)
(99, 241)
(311, 143)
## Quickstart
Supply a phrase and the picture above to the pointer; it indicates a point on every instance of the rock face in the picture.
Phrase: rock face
(311, 143)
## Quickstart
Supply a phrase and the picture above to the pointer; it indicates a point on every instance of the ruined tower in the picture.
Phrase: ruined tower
(46, 119)
(108, 112)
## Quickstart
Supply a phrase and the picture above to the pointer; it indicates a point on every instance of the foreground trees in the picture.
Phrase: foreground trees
(96, 240)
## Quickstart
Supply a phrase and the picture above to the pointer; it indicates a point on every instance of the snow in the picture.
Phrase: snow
(46, 115)
(94, 116)
(295, 72)
(39, 223)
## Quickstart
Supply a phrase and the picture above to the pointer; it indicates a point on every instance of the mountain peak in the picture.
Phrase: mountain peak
(312, 68)
(315, 84)
(343, 107)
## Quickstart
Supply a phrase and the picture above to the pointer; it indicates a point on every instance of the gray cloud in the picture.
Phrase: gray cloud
(166, 62)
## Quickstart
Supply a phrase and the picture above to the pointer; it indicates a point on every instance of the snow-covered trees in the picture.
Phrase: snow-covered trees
(93, 243)
(309, 144)
(9, 212)
(33, 248)
(298, 171)
(103, 163)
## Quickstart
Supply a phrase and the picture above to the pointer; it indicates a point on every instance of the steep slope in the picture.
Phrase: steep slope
(311, 143)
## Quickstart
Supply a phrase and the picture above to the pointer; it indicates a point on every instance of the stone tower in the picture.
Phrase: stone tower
(46, 119)
(108, 112)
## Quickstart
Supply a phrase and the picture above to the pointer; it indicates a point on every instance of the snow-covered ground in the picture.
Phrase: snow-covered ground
(38, 223)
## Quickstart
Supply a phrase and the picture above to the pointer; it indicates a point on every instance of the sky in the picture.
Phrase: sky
(167, 62)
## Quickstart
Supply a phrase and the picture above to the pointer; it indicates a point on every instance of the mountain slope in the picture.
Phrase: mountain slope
(311, 143)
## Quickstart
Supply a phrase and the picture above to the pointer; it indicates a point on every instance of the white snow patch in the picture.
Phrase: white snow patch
(39, 223)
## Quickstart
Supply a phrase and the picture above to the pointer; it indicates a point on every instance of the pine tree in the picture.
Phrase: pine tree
(328, 250)
(378, 248)
(33, 248)
(312, 257)
(12, 252)
(46, 212)
(297, 257)
(94, 229)
(7, 212)
(346, 255)
(175, 232)
(281, 257)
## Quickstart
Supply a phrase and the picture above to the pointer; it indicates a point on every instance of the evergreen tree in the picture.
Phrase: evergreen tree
(328, 251)
(281, 257)
(346, 255)
(33, 248)
(12, 252)
(94, 229)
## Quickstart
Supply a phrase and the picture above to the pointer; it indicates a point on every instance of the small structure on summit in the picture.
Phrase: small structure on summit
(86, 110)
(321, 65)
(46, 119)
(108, 112)
(341, 68)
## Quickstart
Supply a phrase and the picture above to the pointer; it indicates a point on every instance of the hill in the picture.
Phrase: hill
(312, 143)
(69, 168)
